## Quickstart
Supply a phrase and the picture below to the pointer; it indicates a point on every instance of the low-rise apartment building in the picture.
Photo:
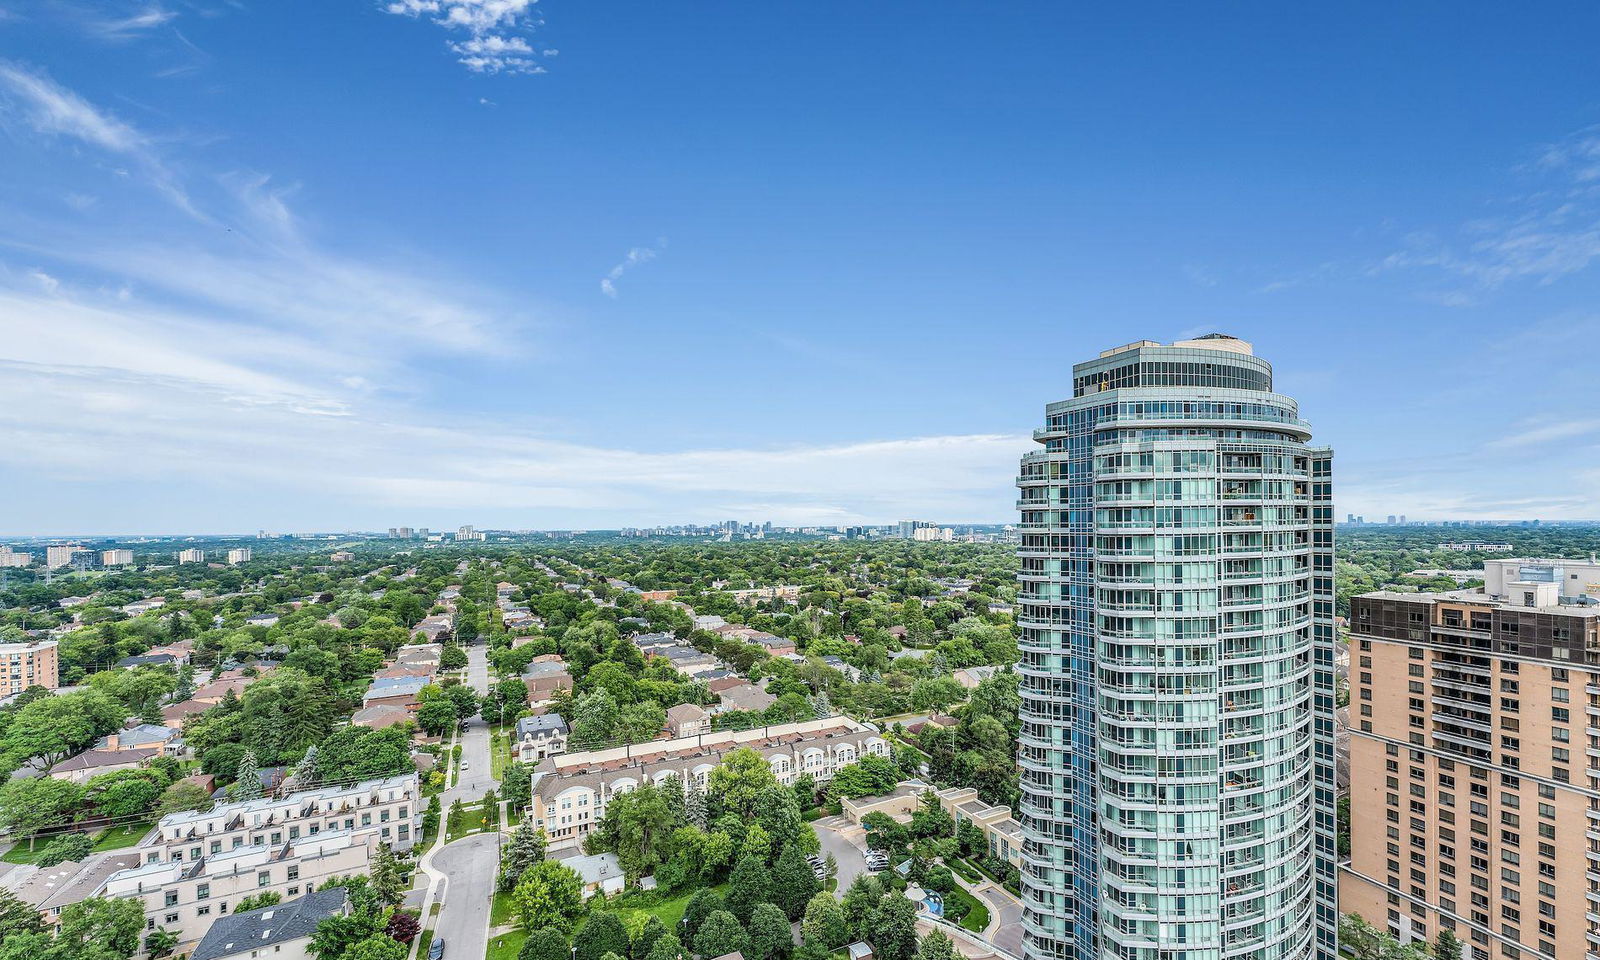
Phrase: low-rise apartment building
(374, 811)
(32, 664)
(1474, 795)
(1002, 835)
(187, 897)
(570, 791)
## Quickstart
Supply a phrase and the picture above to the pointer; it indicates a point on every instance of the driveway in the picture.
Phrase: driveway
(1005, 918)
(469, 866)
(845, 840)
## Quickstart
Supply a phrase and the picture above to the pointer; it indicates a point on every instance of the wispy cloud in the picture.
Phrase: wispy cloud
(635, 257)
(1540, 433)
(51, 110)
(498, 31)
(133, 26)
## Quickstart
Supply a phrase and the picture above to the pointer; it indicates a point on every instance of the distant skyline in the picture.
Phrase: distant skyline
(333, 265)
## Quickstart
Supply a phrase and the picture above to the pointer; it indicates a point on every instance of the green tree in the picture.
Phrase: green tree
(99, 925)
(702, 904)
(388, 880)
(739, 779)
(601, 934)
(436, 716)
(31, 805)
(182, 796)
(379, 946)
(668, 947)
(17, 917)
(861, 905)
(68, 846)
(936, 946)
(247, 781)
(595, 721)
(160, 942)
(638, 828)
(308, 773)
(824, 921)
(770, 938)
(794, 881)
(721, 934)
(652, 930)
(269, 898)
(894, 937)
(694, 803)
(549, 895)
(525, 849)
(545, 943)
(749, 885)
(54, 728)
(1446, 947)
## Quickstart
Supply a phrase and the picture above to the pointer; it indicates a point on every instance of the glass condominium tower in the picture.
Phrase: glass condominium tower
(1176, 616)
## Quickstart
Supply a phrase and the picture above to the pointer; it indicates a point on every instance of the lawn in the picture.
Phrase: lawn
(502, 911)
(473, 819)
(977, 916)
(669, 911)
(114, 838)
(499, 751)
(968, 872)
(504, 947)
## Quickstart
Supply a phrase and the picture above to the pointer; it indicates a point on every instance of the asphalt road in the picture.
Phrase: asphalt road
(469, 869)
(1008, 936)
(475, 780)
(839, 836)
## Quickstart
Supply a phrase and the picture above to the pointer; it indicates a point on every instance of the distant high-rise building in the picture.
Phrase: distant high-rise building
(191, 555)
(30, 664)
(238, 555)
(1390, 520)
(61, 556)
(1402, 519)
(1349, 518)
(116, 558)
(13, 558)
(1177, 638)
(468, 533)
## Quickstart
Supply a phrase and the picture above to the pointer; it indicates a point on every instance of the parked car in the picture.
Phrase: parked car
(436, 949)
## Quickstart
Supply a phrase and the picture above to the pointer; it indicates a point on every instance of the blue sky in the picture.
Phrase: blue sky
(360, 263)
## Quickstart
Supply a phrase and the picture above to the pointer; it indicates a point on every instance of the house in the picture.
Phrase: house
(261, 620)
(399, 692)
(420, 654)
(148, 660)
(709, 621)
(655, 643)
(687, 720)
(138, 607)
(745, 696)
(432, 629)
(1002, 608)
(540, 737)
(690, 662)
(970, 677)
(282, 931)
(657, 596)
(898, 803)
(600, 872)
(92, 762)
(544, 677)
(51, 889)
(774, 645)
(860, 950)
(168, 740)
(380, 716)
(852, 674)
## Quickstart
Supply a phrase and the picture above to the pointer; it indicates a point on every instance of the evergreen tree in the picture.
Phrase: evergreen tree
(694, 803)
(247, 781)
(770, 938)
(861, 905)
(668, 947)
(672, 793)
(1446, 947)
(525, 849)
(824, 921)
(388, 882)
(936, 946)
(602, 934)
(721, 934)
(306, 774)
(748, 885)
(545, 943)
(793, 881)
(894, 936)
(702, 904)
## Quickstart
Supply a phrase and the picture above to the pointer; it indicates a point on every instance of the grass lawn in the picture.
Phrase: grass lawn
(499, 750)
(475, 818)
(504, 947)
(669, 911)
(502, 911)
(968, 872)
(124, 836)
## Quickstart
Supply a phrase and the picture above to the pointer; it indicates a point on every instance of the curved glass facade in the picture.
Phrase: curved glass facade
(1175, 611)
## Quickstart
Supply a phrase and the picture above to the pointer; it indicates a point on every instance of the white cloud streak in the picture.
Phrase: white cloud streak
(497, 31)
(635, 257)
